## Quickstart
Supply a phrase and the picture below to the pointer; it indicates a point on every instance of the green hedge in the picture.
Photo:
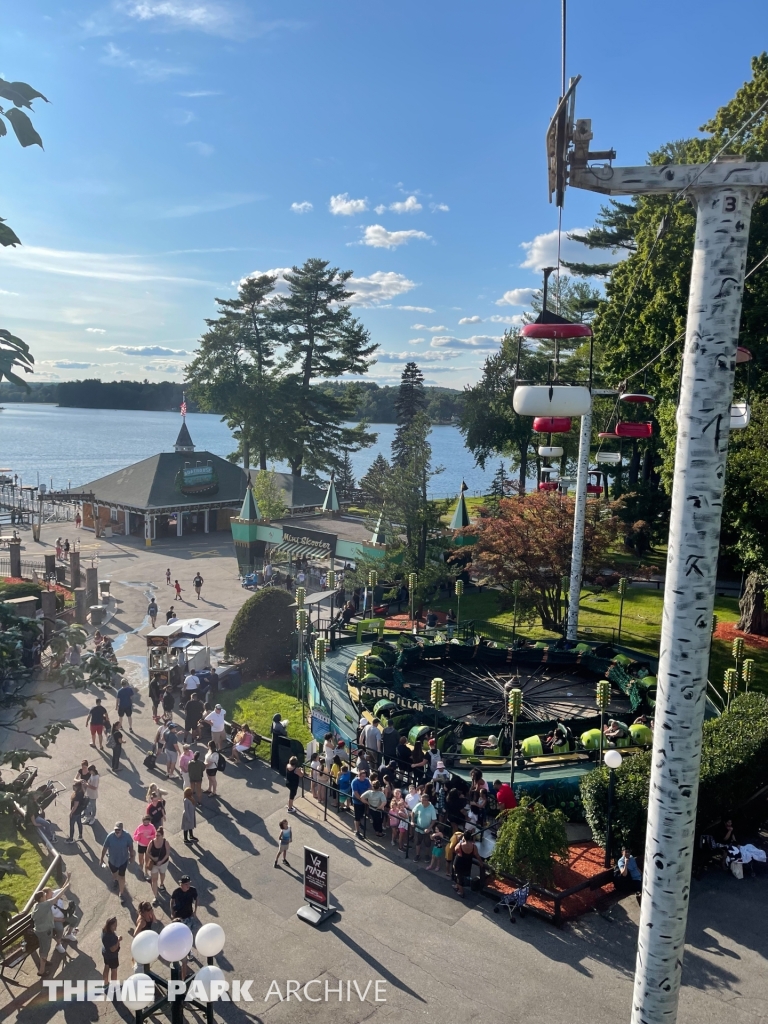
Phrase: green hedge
(260, 635)
(9, 591)
(734, 766)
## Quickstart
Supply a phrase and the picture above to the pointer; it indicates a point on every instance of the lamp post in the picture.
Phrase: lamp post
(613, 761)
(515, 594)
(174, 944)
(437, 691)
(413, 579)
(622, 591)
(361, 667)
(514, 707)
(564, 581)
(748, 672)
(603, 700)
(373, 580)
(320, 649)
(737, 650)
(458, 591)
(301, 626)
(730, 685)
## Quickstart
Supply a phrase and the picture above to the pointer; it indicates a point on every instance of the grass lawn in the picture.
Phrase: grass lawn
(17, 846)
(257, 704)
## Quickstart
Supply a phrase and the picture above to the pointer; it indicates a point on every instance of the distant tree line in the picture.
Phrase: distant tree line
(377, 404)
(121, 394)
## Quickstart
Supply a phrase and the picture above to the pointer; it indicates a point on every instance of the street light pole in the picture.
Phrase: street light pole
(579, 522)
(613, 761)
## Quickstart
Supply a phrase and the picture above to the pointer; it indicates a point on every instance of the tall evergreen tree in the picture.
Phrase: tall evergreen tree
(410, 402)
(374, 481)
(345, 478)
(322, 341)
(234, 370)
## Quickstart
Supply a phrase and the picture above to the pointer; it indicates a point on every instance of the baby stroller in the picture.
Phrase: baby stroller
(515, 901)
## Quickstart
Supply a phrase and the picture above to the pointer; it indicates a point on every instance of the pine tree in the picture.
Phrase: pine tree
(322, 341)
(374, 481)
(410, 402)
(614, 231)
(345, 479)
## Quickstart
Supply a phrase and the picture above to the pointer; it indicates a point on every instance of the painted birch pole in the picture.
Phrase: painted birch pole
(703, 419)
(579, 522)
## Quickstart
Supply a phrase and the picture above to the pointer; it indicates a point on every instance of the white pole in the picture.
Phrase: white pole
(703, 418)
(579, 520)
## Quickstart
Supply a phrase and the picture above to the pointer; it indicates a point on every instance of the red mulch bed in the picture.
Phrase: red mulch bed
(585, 860)
(403, 622)
(727, 631)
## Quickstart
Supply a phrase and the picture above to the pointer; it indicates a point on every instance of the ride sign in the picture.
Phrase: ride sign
(316, 878)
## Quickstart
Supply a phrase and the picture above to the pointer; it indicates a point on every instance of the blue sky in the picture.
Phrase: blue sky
(189, 143)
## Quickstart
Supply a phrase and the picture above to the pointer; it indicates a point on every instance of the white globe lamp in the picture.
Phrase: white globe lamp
(144, 948)
(174, 942)
(613, 758)
(138, 991)
(203, 980)
(209, 940)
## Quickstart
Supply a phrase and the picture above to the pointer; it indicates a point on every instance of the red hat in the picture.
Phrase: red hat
(432, 742)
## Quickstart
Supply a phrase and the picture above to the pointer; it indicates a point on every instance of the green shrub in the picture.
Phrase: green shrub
(9, 591)
(260, 636)
(529, 837)
(734, 766)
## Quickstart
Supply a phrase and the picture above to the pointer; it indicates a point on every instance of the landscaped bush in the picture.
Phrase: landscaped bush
(260, 636)
(529, 837)
(734, 766)
(9, 591)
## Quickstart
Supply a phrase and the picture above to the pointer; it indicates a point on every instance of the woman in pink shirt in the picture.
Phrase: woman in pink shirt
(143, 836)
(186, 756)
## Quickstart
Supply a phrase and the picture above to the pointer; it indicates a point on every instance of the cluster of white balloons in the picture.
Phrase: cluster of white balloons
(173, 944)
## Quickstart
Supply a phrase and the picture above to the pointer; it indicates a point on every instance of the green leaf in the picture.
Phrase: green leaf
(3, 129)
(7, 235)
(27, 92)
(24, 129)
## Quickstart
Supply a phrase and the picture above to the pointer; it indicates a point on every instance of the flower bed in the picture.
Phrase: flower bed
(581, 885)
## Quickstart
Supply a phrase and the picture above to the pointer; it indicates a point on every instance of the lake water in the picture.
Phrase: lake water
(74, 446)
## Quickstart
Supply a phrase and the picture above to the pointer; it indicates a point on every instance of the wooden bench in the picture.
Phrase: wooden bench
(17, 943)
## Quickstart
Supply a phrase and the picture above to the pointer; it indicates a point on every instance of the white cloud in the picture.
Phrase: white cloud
(145, 350)
(422, 357)
(476, 341)
(516, 318)
(439, 207)
(226, 201)
(378, 237)
(97, 265)
(95, 330)
(66, 364)
(304, 207)
(201, 148)
(416, 341)
(381, 208)
(378, 287)
(517, 296)
(411, 205)
(281, 285)
(182, 117)
(212, 17)
(542, 251)
(4, 292)
(197, 93)
(471, 320)
(423, 327)
(417, 309)
(150, 70)
(342, 206)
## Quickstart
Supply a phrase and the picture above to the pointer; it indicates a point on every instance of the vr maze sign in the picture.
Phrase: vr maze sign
(315, 878)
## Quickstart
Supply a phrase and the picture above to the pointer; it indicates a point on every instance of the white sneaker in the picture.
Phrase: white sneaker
(60, 949)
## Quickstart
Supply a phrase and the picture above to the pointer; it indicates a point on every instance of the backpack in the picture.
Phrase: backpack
(222, 765)
(150, 761)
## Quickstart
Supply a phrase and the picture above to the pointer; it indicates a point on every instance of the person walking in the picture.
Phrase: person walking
(189, 817)
(171, 751)
(167, 577)
(170, 616)
(284, 840)
(43, 924)
(218, 721)
(77, 804)
(116, 737)
(124, 704)
(184, 902)
(158, 856)
(96, 720)
(155, 809)
(168, 702)
(58, 549)
(66, 548)
(186, 757)
(118, 847)
(278, 729)
(152, 612)
(293, 776)
(92, 792)
(194, 710)
(78, 520)
(196, 771)
(110, 949)
(212, 767)
(143, 835)
(177, 588)
(197, 583)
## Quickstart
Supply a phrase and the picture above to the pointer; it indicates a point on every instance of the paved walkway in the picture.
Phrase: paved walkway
(441, 958)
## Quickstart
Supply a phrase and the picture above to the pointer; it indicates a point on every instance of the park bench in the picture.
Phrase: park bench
(17, 943)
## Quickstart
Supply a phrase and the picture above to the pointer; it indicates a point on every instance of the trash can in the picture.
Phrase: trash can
(98, 614)
(104, 586)
(60, 573)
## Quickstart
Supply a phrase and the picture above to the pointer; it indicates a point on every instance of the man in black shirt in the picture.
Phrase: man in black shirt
(97, 719)
(389, 741)
(403, 755)
(193, 712)
(184, 901)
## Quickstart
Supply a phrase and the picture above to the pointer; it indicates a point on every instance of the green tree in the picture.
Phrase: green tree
(260, 635)
(374, 481)
(322, 341)
(268, 495)
(529, 840)
(345, 478)
(14, 353)
(411, 400)
(613, 231)
(234, 371)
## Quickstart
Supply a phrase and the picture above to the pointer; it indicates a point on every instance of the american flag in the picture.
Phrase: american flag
(183, 406)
